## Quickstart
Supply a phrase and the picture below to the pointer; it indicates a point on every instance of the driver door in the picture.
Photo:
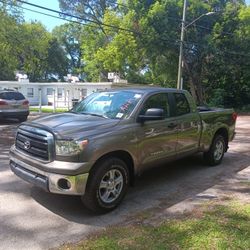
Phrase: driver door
(157, 139)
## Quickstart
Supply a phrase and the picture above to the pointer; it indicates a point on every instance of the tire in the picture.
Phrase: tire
(107, 185)
(22, 118)
(216, 152)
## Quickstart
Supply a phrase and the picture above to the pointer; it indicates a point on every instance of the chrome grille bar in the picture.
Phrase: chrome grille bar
(35, 142)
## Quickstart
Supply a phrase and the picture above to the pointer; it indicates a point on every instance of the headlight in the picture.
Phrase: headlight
(67, 147)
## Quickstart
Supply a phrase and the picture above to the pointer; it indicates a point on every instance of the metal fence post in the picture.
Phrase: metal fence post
(68, 98)
(54, 100)
(40, 100)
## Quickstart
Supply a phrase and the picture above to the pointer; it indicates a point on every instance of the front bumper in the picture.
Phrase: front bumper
(50, 182)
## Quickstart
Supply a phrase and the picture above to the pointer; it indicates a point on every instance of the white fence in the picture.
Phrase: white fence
(55, 100)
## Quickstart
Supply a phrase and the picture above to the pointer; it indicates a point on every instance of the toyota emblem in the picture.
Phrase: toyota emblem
(27, 145)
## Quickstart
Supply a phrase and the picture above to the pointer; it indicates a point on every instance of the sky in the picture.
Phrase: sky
(49, 22)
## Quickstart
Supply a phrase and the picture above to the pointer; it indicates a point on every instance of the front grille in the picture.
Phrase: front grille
(35, 142)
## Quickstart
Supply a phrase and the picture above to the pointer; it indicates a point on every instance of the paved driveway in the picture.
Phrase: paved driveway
(33, 219)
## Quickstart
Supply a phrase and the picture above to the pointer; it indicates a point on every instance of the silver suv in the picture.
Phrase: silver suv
(13, 104)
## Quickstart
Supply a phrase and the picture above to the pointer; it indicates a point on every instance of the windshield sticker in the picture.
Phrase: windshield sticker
(137, 96)
(119, 115)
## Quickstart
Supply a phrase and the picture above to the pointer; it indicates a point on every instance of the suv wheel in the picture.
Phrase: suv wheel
(107, 185)
(22, 118)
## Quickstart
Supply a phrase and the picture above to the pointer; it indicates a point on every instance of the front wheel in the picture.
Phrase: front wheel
(107, 185)
(216, 152)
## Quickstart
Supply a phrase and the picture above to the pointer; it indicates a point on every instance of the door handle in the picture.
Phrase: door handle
(172, 125)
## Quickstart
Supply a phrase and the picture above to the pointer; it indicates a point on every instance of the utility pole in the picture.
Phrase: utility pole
(180, 67)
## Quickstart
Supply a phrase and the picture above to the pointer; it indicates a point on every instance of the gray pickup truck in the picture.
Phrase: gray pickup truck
(97, 148)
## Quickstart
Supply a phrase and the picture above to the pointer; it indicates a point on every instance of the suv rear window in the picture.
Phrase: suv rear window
(11, 96)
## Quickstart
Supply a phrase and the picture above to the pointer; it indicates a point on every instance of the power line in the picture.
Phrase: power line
(192, 43)
(61, 18)
(104, 24)
(173, 41)
(118, 4)
(170, 41)
(77, 17)
(211, 29)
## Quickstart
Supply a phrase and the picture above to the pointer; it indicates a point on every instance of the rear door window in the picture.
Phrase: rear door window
(12, 96)
(182, 105)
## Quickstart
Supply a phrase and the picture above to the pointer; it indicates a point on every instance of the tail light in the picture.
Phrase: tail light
(234, 116)
(26, 102)
(3, 102)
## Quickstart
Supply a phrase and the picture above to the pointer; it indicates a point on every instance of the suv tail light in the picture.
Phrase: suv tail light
(26, 102)
(3, 102)
(234, 116)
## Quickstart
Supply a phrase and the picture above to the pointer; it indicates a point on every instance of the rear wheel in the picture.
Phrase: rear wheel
(216, 152)
(107, 185)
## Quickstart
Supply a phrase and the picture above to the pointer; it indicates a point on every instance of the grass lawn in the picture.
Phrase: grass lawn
(48, 110)
(213, 226)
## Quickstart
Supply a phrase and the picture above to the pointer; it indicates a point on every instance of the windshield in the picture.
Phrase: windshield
(114, 105)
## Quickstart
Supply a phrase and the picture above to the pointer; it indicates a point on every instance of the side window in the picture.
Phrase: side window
(59, 93)
(182, 105)
(49, 91)
(157, 101)
(30, 92)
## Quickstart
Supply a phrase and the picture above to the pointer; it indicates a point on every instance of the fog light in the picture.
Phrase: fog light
(64, 184)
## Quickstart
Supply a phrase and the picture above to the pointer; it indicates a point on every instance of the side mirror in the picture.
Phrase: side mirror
(152, 115)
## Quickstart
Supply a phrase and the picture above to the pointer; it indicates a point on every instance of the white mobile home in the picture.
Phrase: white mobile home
(59, 93)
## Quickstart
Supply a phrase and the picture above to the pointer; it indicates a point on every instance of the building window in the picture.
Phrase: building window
(30, 92)
(49, 91)
(59, 93)
(83, 93)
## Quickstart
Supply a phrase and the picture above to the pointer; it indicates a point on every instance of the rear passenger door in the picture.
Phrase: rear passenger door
(188, 123)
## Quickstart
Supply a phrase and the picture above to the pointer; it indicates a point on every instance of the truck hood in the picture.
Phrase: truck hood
(74, 126)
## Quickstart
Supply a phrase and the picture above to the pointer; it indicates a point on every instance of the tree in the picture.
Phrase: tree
(69, 39)
(93, 10)
(8, 50)
(57, 61)
(227, 71)
(34, 50)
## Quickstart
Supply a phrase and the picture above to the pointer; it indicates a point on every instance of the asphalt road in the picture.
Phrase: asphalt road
(33, 219)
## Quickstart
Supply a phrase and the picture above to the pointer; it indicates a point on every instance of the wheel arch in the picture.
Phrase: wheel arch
(122, 155)
(223, 132)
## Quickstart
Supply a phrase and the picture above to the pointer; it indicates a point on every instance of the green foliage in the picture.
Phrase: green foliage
(140, 41)
(229, 61)
(57, 61)
(48, 110)
(30, 48)
(213, 227)
(34, 43)
(69, 39)
(8, 51)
